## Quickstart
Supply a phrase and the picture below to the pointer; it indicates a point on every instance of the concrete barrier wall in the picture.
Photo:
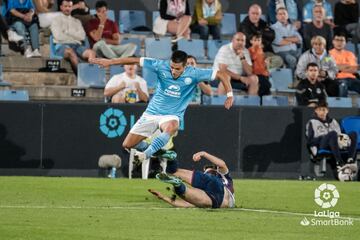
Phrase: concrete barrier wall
(59, 139)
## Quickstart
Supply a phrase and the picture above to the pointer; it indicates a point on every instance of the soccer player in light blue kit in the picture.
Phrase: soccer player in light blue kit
(175, 87)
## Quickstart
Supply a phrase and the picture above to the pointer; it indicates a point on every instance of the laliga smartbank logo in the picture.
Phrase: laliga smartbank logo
(326, 196)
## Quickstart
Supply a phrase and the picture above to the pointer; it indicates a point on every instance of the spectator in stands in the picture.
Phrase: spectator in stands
(69, 36)
(80, 10)
(234, 59)
(259, 64)
(310, 91)
(287, 42)
(308, 13)
(104, 35)
(293, 7)
(317, 28)
(7, 33)
(21, 16)
(207, 19)
(127, 87)
(175, 18)
(253, 24)
(327, 66)
(346, 17)
(203, 87)
(45, 12)
(347, 64)
(323, 132)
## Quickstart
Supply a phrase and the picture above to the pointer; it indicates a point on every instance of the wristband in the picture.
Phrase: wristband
(229, 94)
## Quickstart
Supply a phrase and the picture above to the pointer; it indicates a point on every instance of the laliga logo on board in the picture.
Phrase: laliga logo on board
(112, 123)
(326, 195)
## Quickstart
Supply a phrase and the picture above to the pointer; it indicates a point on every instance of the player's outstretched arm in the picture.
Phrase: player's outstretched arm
(225, 79)
(180, 203)
(213, 159)
(115, 61)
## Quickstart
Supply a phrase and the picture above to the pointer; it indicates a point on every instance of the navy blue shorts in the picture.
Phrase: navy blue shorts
(211, 185)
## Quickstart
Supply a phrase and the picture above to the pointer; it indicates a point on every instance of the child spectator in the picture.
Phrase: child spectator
(259, 64)
(310, 91)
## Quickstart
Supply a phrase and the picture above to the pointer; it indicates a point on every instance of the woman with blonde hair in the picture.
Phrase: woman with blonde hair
(174, 18)
(207, 18)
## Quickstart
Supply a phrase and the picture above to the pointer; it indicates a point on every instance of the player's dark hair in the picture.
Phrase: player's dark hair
(100, 4)
(191, 56)
(321, 104)
(312, 64)
(340, 33)
(256, 35)
(179, 57)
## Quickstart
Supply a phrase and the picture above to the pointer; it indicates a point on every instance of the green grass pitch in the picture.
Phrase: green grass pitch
(93, 208)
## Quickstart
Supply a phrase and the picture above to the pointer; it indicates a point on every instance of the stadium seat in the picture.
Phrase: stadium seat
(116, 69)
(275, 100)
(14, 95)
(350, 47)
(247, 100)
(358, 102)
(244, 15)
(130, 19)
(228, 24)
(352, 123)
(52, 48)
(91, 75)
(213, 47)
(194, 47)
(155, 14)
(213, 100)
(136, 41)
(239, 100)
(158, 48)
(150, 77)
(280, 79)
(340, 102)
(110, 13)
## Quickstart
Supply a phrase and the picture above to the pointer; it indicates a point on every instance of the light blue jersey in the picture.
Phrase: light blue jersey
(172, 96)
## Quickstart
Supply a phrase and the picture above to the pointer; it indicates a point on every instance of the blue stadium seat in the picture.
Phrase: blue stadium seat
(352, 123)
(244, 15)
(116, 69)
(340, 102)
(280, 79)
(275, 100)
(155, 14)
(228, 24)
(239, 100)
(350, 46)
(52, 48)
(247, 100)
(150, 77)
(158, 48)
(194, 47)
(14, 95)
(213, 47)
(130, 19)
(213, 100)
(136, 41)
(91, 75)
(110, 13)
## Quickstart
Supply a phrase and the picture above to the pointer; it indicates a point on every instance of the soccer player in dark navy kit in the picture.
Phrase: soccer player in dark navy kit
(211, 188)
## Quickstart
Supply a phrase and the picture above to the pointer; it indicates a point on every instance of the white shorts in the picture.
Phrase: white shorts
(148, 124)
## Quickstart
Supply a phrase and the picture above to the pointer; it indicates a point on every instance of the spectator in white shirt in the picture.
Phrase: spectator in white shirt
(127, 87)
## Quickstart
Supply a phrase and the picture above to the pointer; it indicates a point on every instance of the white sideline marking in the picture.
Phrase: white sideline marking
(163, 208)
